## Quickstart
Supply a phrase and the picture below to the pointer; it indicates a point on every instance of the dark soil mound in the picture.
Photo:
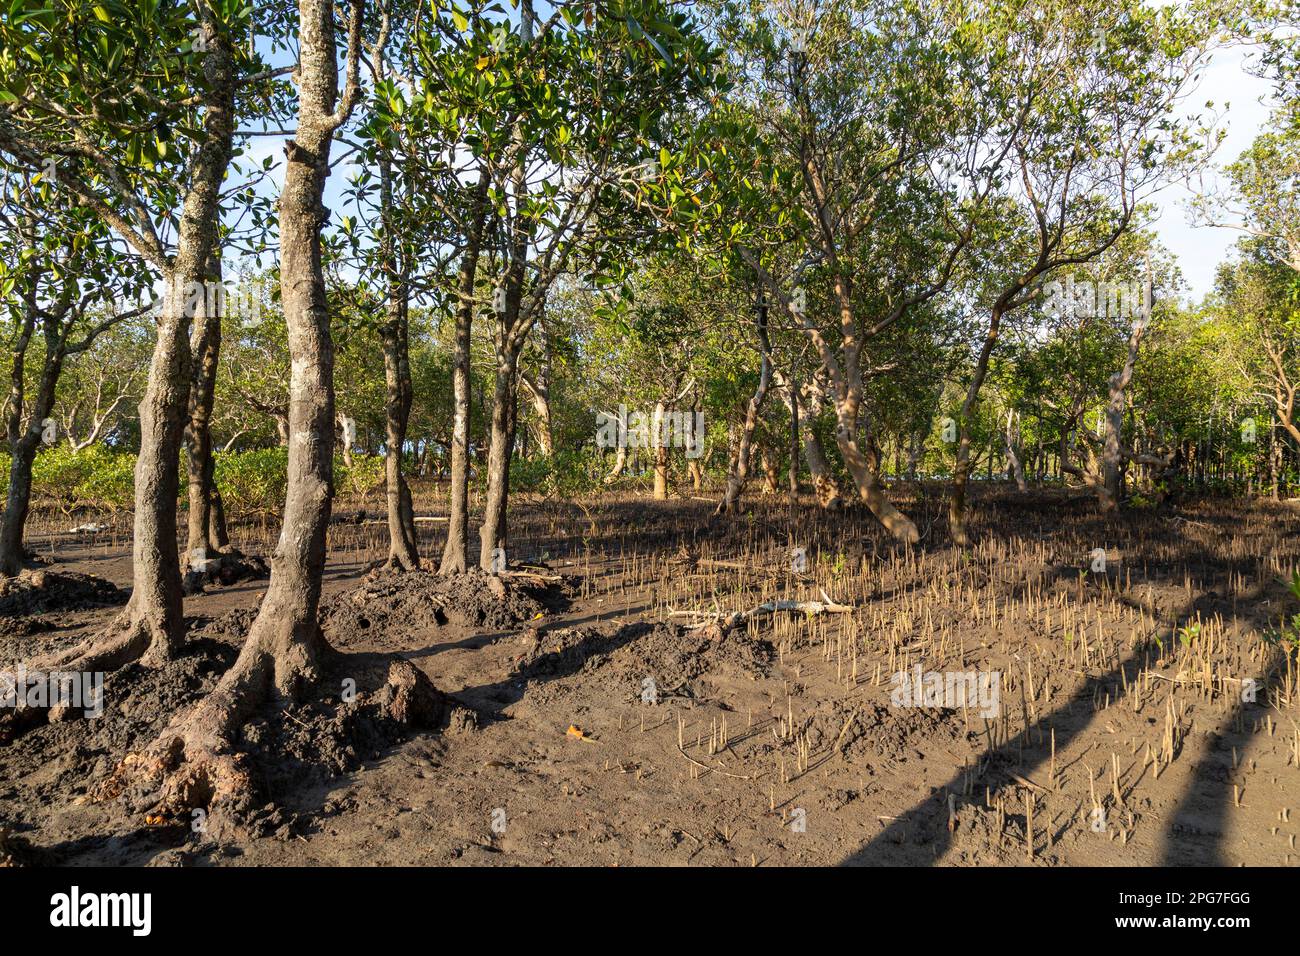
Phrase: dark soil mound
(674, 658)
(897, 733)
(392, 604)
(42, 767)
(381, 701)
(48, 592)
(308, 744)
(230, 567)
(24, 626)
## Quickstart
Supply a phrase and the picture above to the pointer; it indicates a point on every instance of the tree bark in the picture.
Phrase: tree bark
(771, 470)
(1013, 453)
(1113, 459)
(828, 492)
(394, 333)
(738, 471)
(403, 547)
(961, 468)
(792, 479)
(696, 472)
(455, 554)
(620, 462)
(205, 346)
(347, 426)
(493, 533)
(661, 454)
(281, 656)
(538, 386)
(217, 530)
(151, 627)
(864, 476)
(22, 447)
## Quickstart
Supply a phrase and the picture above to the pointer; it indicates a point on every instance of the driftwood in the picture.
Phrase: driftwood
(719, 624)
(537, 576)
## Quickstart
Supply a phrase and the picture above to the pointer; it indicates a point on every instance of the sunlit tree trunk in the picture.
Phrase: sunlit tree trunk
(151, 627)
(205, 346)
(281, 656)
(455, 554)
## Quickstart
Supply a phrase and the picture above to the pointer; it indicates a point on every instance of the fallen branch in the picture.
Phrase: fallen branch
(723, 623)
(532, 576)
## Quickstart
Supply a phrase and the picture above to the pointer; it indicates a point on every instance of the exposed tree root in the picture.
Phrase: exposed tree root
(196, 763)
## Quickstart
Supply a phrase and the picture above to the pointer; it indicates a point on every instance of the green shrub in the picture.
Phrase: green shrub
(252, 482)
(255, 482)
(96, 477)
(364, 477)
(567, 474)
(112, 485)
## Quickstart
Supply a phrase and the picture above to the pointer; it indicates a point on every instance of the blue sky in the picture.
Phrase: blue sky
(1227, 83)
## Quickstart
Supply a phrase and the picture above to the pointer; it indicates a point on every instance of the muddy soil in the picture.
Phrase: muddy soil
(589, 725)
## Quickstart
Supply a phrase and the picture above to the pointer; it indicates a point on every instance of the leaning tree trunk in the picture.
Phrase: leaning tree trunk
(151, 627)
(194, 760)
(696, 472)
(864, 476)
(205, 346)
(620, 463)
(846, 381)
(824, 484)
(962, 467)
(455, 554)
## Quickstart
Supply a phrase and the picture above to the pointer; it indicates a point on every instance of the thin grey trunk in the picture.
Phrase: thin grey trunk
(738, 470)
(962, 466)
(403, 546)
(455, 554)
(205, 346)
(1013, 453)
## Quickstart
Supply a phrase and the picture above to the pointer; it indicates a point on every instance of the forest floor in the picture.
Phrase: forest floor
(1119, 734)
